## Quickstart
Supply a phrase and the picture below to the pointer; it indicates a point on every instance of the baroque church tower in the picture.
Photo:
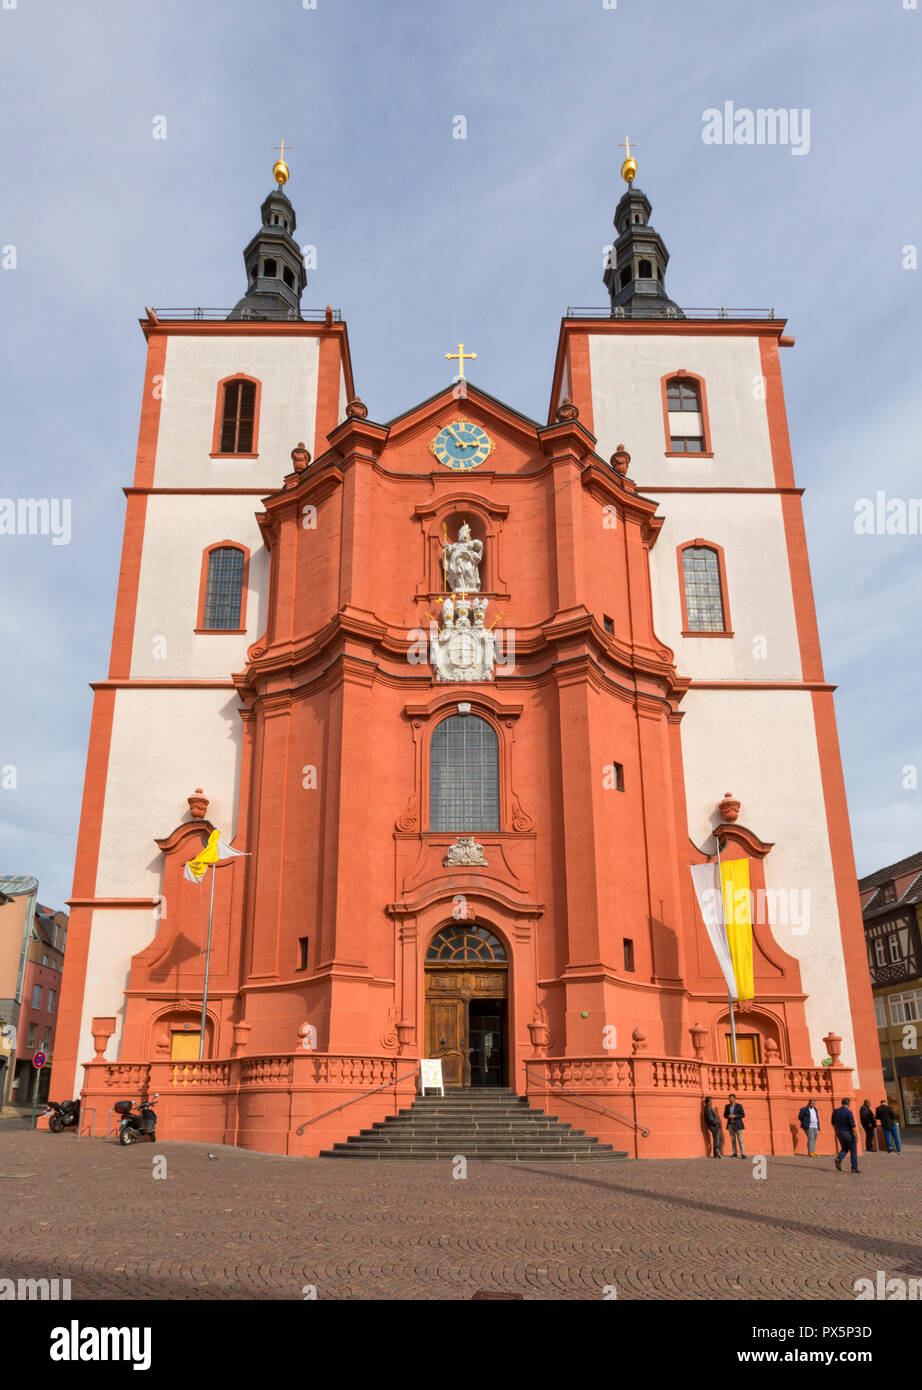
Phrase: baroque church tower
(465, 783)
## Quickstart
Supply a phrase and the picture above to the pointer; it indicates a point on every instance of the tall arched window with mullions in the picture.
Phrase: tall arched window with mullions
(464, 775)
(222, 591)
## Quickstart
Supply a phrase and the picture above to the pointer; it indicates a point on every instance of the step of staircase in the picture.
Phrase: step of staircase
(494, 1125)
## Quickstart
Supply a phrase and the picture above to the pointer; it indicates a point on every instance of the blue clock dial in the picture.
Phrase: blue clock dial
(461, 446)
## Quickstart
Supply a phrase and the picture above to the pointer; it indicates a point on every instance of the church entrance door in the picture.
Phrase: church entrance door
(466, 1025)
(467, 974)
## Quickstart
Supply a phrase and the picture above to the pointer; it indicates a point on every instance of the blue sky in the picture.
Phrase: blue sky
(424, 240)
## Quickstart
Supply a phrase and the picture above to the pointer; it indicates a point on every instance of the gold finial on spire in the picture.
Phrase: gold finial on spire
(629, 167)
(280, 168)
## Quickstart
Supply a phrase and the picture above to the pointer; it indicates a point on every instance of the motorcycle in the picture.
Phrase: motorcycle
(64, 1115)
(135, 1125)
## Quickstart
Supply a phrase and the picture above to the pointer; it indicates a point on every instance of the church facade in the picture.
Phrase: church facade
(469, 693)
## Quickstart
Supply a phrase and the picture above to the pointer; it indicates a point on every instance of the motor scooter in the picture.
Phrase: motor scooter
(135, 1125)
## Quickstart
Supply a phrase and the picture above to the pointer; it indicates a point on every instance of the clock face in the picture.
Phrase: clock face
(461, 446)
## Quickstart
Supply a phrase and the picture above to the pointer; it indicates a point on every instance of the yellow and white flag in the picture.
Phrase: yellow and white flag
(215, 850)
(734, 878)
(725, 902)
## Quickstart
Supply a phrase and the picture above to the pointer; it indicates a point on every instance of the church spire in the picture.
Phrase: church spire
(636, 271)
(275, 268)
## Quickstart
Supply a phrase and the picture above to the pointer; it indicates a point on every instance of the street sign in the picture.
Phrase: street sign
(38, 1061)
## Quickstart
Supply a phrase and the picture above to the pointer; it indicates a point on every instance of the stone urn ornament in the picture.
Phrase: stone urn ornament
(620, 460)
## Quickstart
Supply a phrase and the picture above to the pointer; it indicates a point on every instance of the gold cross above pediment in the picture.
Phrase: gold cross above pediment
(461, 355)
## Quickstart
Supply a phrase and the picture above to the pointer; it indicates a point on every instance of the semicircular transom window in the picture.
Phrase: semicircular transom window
(454, 945)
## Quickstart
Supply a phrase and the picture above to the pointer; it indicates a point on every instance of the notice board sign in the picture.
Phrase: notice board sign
(430, 1075)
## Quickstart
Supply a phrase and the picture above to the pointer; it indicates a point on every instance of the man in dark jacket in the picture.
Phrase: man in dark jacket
(869, 1125)
(712, 1120)
(843, 1122)
(733, 1114)
(890, 1126)
(808, 1117)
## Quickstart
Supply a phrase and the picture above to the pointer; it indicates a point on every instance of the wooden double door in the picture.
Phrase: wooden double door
(467, 1024)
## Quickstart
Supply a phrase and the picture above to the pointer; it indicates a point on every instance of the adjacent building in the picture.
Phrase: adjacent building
(17, 914)
(38, 1015)
(891, 904)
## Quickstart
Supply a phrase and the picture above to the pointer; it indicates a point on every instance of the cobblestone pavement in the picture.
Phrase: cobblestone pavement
(245, 1225)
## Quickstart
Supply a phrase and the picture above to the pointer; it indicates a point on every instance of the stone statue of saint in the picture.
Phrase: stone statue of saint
(462, 559)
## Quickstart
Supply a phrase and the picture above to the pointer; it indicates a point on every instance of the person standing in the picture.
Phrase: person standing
(712, 1120)
(809, 1120)
(890, 1126)
(843, 1122)
(733, 1114)
(869, 1125)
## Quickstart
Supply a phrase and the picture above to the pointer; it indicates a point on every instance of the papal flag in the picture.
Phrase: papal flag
(215, 850)
(737, 899)
(725, 902)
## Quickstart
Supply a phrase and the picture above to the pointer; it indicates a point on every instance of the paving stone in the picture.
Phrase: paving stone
(263, 1226)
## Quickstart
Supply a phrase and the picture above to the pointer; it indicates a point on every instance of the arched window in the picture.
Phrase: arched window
(223, 587)
(704, 593)
(685, 409)
(236, 417)
(454, 945)
(464, 775)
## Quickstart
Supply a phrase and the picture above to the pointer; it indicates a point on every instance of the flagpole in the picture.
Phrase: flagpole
(201, 1040)
(724, 917)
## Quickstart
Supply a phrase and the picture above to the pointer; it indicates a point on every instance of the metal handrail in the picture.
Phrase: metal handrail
(600, 312)
(203, 312)
(589, 1101)
(385, 1085)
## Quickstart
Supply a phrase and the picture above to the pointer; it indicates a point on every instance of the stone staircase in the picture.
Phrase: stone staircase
(481, 1123)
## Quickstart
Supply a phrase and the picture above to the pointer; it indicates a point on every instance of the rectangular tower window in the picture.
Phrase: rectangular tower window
(302, 952)
(608, 623)
(628, 955)
(615, 781)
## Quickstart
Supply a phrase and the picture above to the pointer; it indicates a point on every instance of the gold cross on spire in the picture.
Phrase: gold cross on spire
(280, 169)
(461, 355)
(629, 167)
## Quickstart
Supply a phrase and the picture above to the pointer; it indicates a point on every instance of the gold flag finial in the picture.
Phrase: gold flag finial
(629, 167)
(280, 168)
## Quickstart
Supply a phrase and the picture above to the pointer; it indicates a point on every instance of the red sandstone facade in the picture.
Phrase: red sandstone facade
(346, 859)
(599, 987)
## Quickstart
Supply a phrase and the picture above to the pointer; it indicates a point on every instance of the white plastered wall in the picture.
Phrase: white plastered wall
(627, 407)
(758, 744)
(750, 528)
(761, 746)
(165, 743)
(116, 935)
(285, 364)
(343, 402)
(177, 530)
